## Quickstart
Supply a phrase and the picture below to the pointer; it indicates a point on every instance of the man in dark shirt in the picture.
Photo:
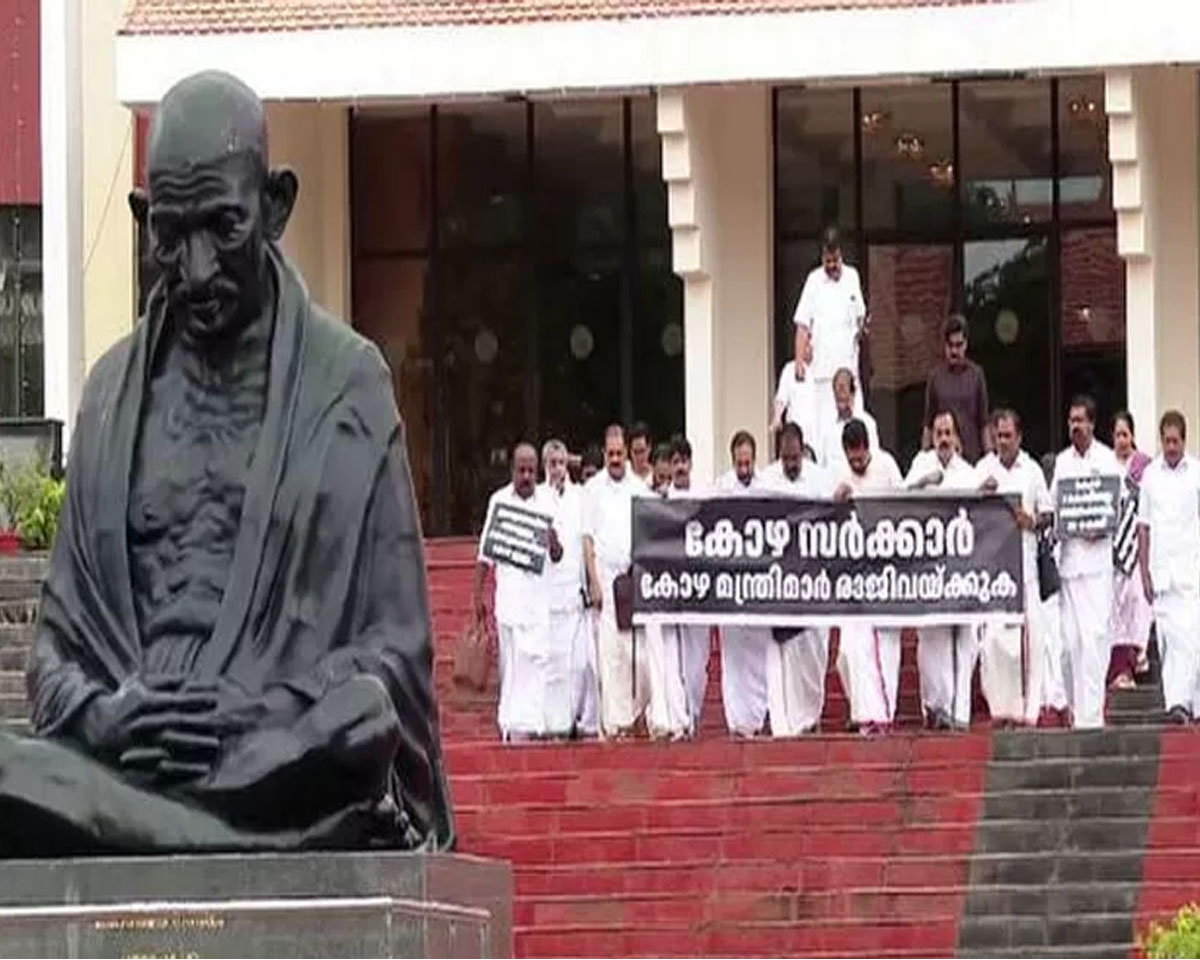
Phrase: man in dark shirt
(959, 384)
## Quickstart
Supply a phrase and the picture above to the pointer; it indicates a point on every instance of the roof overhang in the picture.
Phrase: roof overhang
(437, 63)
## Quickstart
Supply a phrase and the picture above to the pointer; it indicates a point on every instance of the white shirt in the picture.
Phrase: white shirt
(608, 519)
(956, 475)
(521, 596)
(881, 476)
(1080, 557)
(728, 485)
(833, 456)
(812, 481)
(832, 311)
(566, 576)
(1025, 479)
(1169, 504)
(798, 400)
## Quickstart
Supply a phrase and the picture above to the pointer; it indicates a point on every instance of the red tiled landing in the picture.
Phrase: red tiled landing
(824, 845)
(1171, 863)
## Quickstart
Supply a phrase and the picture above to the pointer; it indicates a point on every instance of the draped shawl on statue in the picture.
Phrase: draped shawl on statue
(328, 576)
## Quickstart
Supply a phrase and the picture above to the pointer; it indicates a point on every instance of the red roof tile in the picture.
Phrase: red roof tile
(238, 16)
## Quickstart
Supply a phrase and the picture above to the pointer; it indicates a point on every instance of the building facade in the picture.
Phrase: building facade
(551, 216)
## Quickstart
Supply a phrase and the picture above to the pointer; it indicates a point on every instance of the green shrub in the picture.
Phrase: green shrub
(32, 501)
(1180, 938)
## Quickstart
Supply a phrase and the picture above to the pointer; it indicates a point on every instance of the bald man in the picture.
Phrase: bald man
(234, 650)
(535, 680)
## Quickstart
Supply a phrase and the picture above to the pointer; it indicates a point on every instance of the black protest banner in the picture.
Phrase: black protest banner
(910, 560)
(1087, 506)
(517, 537)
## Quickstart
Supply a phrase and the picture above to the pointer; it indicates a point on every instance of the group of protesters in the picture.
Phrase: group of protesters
(572, 662)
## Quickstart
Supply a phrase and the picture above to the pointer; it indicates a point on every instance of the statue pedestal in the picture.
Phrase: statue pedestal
(260, 905)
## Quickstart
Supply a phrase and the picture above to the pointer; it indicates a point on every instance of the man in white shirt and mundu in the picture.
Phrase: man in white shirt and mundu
(797, 659)
(1086, 571)
(535, 690)
(1169, 559)
(607, 552)
(845, 408)
(868, 657)
(830, 318)
(945, 654)
(1013, 659)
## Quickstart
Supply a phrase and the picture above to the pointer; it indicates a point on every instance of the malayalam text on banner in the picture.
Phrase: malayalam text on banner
(908, 560)
(516, 537)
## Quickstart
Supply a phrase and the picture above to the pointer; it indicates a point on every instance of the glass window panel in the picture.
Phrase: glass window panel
(10, 314)
(389, 307)
(650, 192)
(814, 158)
(579, 176)
(580, 346)
(795, 259)
(1099, 372)
(1093, 290)
(485, 310)
(908, 152)
(1005, 150)
(1006, 301)
(658, 337)
(482, 169)
(1085, 181)
(21, 350)
(910, 296)
(392, 186)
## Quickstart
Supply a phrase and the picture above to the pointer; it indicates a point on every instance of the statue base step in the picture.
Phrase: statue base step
(261, 905)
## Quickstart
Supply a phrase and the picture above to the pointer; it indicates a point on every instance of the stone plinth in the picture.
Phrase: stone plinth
(263, 905)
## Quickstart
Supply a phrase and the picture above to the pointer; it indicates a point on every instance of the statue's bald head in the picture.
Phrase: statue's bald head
(206, 118)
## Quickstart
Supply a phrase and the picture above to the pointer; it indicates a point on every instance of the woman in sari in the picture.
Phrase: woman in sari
(1132, 615)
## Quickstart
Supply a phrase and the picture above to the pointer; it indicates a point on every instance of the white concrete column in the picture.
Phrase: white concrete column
(62, 210)
(1154, 141)
(717, 165)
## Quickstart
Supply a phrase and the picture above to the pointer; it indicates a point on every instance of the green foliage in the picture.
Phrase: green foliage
(32, 500)
(1180, 938)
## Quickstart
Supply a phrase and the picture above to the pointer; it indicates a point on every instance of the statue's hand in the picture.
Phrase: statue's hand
(172, 731)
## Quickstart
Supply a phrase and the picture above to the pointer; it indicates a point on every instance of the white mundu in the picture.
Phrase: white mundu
(796, 402)
(796, 664)
(833, 312)
(868, 660)
(677, 658)
(1086, 572)
(534, 673)
(1169, 506)
(946, 655)
(570, 626)
(743, 649)
(1012, 663)
(620, 663)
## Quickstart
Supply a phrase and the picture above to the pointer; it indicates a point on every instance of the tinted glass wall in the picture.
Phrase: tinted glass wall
(512, 260)
(987, 197)
(21, 311)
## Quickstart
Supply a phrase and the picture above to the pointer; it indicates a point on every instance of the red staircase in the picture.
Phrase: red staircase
(821, 846)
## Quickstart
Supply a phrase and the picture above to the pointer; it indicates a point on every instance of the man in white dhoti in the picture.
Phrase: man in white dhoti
(1086, 571)
(797, 659)
(868, 656)
(534, 694)
(677, 654)
(1169, 559)
(796, 402)
(743, 648)
(945, 655)
(607, 543)
(845, 393)
(830, 319)
(571, 629)
(1012, 661)
(1054, 687)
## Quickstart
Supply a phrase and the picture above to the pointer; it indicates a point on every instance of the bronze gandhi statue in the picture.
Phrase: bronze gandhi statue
(234, 650)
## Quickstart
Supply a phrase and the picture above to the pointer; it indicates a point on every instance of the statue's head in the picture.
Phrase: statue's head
(213, 203)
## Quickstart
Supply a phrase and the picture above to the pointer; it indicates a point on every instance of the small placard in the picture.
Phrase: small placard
(1087, 506)
(516, 537)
